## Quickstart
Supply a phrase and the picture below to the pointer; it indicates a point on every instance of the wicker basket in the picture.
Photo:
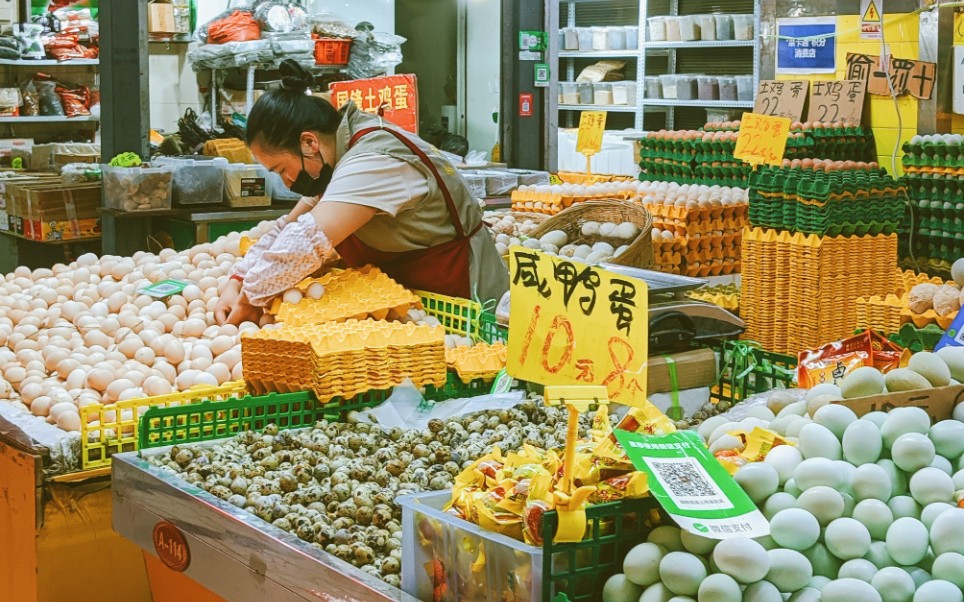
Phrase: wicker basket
(640, 251)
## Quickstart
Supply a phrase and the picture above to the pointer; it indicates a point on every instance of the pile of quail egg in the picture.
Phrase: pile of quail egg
(334, 485)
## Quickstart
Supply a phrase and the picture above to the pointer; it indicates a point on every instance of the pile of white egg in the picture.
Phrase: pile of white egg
(690, 196)
(860, 509)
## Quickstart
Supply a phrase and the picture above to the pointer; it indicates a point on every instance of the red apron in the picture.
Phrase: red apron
(442, 269)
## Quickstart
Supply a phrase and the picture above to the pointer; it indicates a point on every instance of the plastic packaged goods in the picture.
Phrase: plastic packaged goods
(707, 25)
(570, 38)
(744, 86)
(585, 38)
(137, 188)
(686, 87)
(657, 29)
(632, 37)
(246, 185)
(653, 86)
(708, 87)
(197, 180)
(600, 38)
(602, 94)
(673, 33)
(569, 93)
(616, 38)
(689, 29)
(668, 83)
(624, 93)
(724, 27)
(728, 89)
(743, 27)
(585, 94)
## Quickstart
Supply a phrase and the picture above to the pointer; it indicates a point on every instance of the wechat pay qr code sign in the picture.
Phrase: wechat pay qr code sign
(693, 487)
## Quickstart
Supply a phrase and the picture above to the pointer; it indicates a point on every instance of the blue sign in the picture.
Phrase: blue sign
(807, 45)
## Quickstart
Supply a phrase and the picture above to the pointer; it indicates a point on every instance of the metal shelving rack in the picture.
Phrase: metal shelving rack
(644, 105)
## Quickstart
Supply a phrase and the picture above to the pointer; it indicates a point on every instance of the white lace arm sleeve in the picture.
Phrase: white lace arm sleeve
(300, 249)
(264, 243)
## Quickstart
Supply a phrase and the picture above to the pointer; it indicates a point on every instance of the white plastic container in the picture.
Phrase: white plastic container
(621, 93)
(744, 88)
(602, 94)
(600, 38)
(656, 27)
(668, 83)
(617, 38)
(137, 188)
(463, 544)
(246, 186)
(570, 38)
(569, 93)
(743, 27)
(653, 86)
(724, 27)
(707, 25)
(197, 180)
(584, 34)
(632, 37)
(689, 28)
(686, 87)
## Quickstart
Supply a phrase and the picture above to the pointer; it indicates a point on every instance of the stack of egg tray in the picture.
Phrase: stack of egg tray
(551, 203)
(890, 312)
(343, 359)
(481, 360)
(800, 291)
(848, 203)
(937, 218)
(726, 296)
(349, 294)
(706, 242)
(933, 154)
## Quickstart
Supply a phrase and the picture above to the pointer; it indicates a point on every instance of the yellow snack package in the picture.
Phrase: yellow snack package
(601, 427)
(759, 442)
(516, 494)
(627, 486)
(539, 502)
(494, 518)
(645, 419)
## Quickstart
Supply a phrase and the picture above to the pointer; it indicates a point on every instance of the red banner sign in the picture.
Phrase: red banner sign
(395, 97)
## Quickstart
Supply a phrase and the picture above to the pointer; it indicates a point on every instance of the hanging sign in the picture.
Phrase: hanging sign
(832, 101)
(572, 323)
(781, 98)
(393, 96)
(871, 19)
(692, 486)
(905, 76)
(762, 139)
(807, 45)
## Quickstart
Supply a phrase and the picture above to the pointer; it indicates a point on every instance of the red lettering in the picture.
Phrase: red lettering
(527, 341)
(559, 322)
(619, 365)
(584, 371)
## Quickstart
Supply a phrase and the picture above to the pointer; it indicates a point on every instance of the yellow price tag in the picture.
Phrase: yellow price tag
(762, 139)
(592, 124)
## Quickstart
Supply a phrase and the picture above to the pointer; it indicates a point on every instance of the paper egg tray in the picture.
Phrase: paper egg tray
(799, 291)
(349, 294)
(344, 359)
(482, 360)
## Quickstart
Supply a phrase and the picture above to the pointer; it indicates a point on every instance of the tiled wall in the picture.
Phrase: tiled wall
(902, 34)
(174, 85)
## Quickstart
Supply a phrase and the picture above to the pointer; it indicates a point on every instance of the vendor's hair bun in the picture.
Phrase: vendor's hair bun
(294, 77)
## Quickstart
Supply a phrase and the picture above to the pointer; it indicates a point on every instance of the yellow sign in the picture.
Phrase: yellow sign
(762, 139)
(592, 124)
(575, 324)
(871, 14)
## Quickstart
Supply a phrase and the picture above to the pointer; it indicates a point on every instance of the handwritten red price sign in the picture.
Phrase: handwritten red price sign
(762, 139)
(575, 324)
(394, 96)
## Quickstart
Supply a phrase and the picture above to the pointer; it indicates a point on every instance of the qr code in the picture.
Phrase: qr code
(688, 484)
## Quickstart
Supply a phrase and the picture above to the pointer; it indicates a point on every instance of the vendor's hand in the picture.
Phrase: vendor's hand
(243, 311)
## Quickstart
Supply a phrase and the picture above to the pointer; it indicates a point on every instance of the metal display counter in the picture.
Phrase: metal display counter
(231, 553)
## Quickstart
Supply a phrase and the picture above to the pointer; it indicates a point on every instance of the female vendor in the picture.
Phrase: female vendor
(372, 194)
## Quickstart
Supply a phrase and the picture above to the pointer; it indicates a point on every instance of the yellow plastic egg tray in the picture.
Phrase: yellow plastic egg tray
(726, 296)
(117, 424)
(888, 313)
(482, 360)
(343, 359)
(800, 291)
(349, 294)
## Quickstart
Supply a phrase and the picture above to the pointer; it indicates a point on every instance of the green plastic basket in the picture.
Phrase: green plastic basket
(748, 370)
(490, 330)
(579, 570)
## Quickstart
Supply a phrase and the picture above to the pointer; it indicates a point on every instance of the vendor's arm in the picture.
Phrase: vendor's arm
(301, 248)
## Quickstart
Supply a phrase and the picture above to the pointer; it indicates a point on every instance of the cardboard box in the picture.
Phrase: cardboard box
(47, 209)
(694, 369)
(939, 402)
(160, 18)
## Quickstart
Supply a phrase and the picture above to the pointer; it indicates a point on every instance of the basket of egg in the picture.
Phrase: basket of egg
(618, 223)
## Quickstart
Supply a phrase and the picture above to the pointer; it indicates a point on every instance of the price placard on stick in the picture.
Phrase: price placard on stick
(832, 101)
(572, 323)
(781, 98)
(592, 125)
(762, 139)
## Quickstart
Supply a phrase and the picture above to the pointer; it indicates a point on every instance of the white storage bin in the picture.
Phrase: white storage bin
(600, 38)
(197, 180)
(689, 28)
(137, 188)
(657, 29)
